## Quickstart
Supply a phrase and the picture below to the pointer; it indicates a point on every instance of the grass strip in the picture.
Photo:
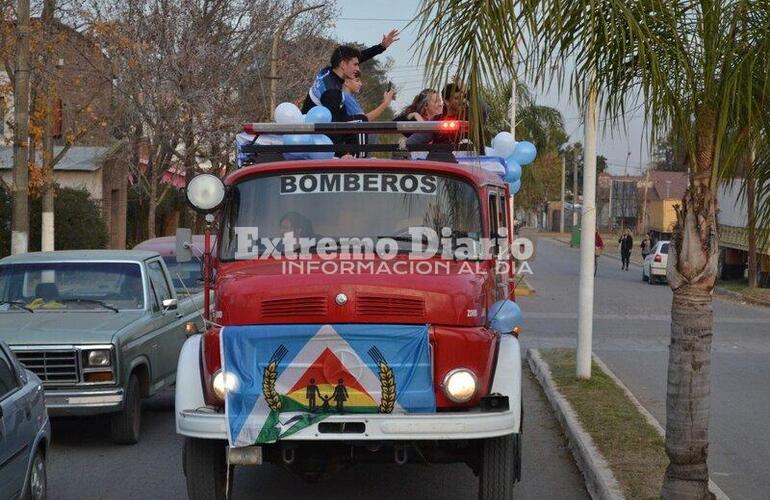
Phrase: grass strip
(742, 287)
(632, 447)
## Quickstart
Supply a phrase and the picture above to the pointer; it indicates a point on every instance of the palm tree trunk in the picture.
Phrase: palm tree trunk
(691, 274)
(751, 195)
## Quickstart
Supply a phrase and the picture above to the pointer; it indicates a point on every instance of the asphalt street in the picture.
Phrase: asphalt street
(85, 465)
(631, 334)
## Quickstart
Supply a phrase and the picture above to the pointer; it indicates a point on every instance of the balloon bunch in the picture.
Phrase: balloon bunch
(288, 113)
(516, 154)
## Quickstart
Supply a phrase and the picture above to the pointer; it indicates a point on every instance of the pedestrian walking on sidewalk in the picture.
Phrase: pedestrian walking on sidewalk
(626, 243)
(598, 249)
(645, 247)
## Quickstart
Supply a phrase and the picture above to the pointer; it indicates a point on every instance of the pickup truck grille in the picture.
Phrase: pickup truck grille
(51, 366)
(295, 306)
(380, 305)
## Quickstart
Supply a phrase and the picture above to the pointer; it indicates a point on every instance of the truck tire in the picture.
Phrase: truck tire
(37, 485)
(498, 468)
(205, 468)
(125, 426)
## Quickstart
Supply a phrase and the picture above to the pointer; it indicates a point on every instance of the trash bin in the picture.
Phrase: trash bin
(574, 240)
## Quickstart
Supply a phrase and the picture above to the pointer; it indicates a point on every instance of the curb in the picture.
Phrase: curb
(600, 482)
(718, 290)
(716, 490)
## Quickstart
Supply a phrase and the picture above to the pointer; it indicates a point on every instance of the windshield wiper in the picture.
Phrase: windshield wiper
(18, 304)
(88, 301)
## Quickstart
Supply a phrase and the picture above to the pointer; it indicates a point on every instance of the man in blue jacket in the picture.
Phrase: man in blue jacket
(327, 87)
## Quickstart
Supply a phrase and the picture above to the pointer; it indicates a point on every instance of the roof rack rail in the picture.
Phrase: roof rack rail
(262, 153)
(340, 128)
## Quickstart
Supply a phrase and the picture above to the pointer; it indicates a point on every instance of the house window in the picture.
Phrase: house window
(57, 119)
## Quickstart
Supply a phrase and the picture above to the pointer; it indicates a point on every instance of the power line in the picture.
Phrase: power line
(389, 19)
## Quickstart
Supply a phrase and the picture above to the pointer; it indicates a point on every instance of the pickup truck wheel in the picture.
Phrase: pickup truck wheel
(125, 426)
(498, 468)
(37, 486)
(205, 468)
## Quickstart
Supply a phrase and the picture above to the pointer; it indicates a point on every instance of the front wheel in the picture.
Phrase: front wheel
(37, 486)
(125, 426)
(205, 468)
(499, 458)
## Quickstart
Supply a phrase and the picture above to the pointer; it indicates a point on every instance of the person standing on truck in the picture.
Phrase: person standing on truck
(626, 243)
(352, 88)
(344, 64)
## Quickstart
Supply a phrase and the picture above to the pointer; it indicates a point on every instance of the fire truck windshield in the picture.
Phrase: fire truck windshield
(339, 205)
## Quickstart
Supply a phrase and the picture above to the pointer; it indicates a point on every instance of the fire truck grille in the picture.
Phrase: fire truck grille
(51, 366)
(376, 305)
(295, 306)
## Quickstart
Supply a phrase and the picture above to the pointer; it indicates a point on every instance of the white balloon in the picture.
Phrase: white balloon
(490, 151)
(287, 112)
(504, 144)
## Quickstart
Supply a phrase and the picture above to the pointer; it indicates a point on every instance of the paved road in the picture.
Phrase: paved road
(631, 334)
(85, 465)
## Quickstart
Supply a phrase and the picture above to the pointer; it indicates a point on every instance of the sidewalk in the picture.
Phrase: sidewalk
(737, 290)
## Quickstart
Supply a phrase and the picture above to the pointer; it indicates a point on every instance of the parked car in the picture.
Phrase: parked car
(655, 264)
(25, 431)
(186, 276)
(101, 328)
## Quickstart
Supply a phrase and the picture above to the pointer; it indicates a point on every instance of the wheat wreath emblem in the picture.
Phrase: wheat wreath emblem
(269, 376)
(387, 381)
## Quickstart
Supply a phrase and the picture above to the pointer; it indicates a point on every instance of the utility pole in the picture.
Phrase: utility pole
(587, 250)
(644, 228)
(47, 222)
(514, 80)
(274, 51)
(563, 179)
(574, 191)
(751, 194)
(20, 222)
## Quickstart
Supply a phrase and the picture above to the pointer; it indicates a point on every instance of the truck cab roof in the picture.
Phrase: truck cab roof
(80, 255)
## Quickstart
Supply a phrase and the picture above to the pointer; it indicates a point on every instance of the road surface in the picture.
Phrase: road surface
(631, 334)
(84, 465)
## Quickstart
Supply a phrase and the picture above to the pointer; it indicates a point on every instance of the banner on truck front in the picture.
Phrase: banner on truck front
(284, 378)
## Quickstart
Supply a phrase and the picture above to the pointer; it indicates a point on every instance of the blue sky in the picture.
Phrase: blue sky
(365, 21)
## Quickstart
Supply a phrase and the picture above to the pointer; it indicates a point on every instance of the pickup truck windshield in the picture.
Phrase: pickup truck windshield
(67, 286)
(350, 205)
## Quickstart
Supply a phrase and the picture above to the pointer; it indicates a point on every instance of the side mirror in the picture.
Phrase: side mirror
(169, 304)
(183, 244)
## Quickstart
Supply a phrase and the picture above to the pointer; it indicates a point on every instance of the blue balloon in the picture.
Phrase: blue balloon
(322, 140)
(504, 316)
(297, 139)
(318, 114)
(515, 186)
(512, 170)
(524, 153)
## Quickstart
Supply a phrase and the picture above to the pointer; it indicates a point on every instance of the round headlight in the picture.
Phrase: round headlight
(222, 383)
(460, 385)
(205, 192)
(99, 358)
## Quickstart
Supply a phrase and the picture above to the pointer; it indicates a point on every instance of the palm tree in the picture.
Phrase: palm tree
(697, 67)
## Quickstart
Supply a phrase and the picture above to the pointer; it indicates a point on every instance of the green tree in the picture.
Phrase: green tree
(80, 224)
(700, 68)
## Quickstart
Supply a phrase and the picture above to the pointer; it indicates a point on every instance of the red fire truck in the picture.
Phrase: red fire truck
(362, 311)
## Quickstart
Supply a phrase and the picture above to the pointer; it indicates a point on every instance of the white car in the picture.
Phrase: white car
(655, 264)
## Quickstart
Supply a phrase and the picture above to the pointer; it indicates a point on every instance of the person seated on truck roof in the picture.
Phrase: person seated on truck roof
(426, 106)
(352, 88)
(345, 60)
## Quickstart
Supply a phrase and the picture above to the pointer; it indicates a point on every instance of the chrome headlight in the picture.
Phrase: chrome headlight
(460, 385)
(98, 357)
(222, 383)
(205, 192)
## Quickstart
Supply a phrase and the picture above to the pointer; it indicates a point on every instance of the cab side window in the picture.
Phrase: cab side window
(158, 281)
(8, 381)
(493, 221)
